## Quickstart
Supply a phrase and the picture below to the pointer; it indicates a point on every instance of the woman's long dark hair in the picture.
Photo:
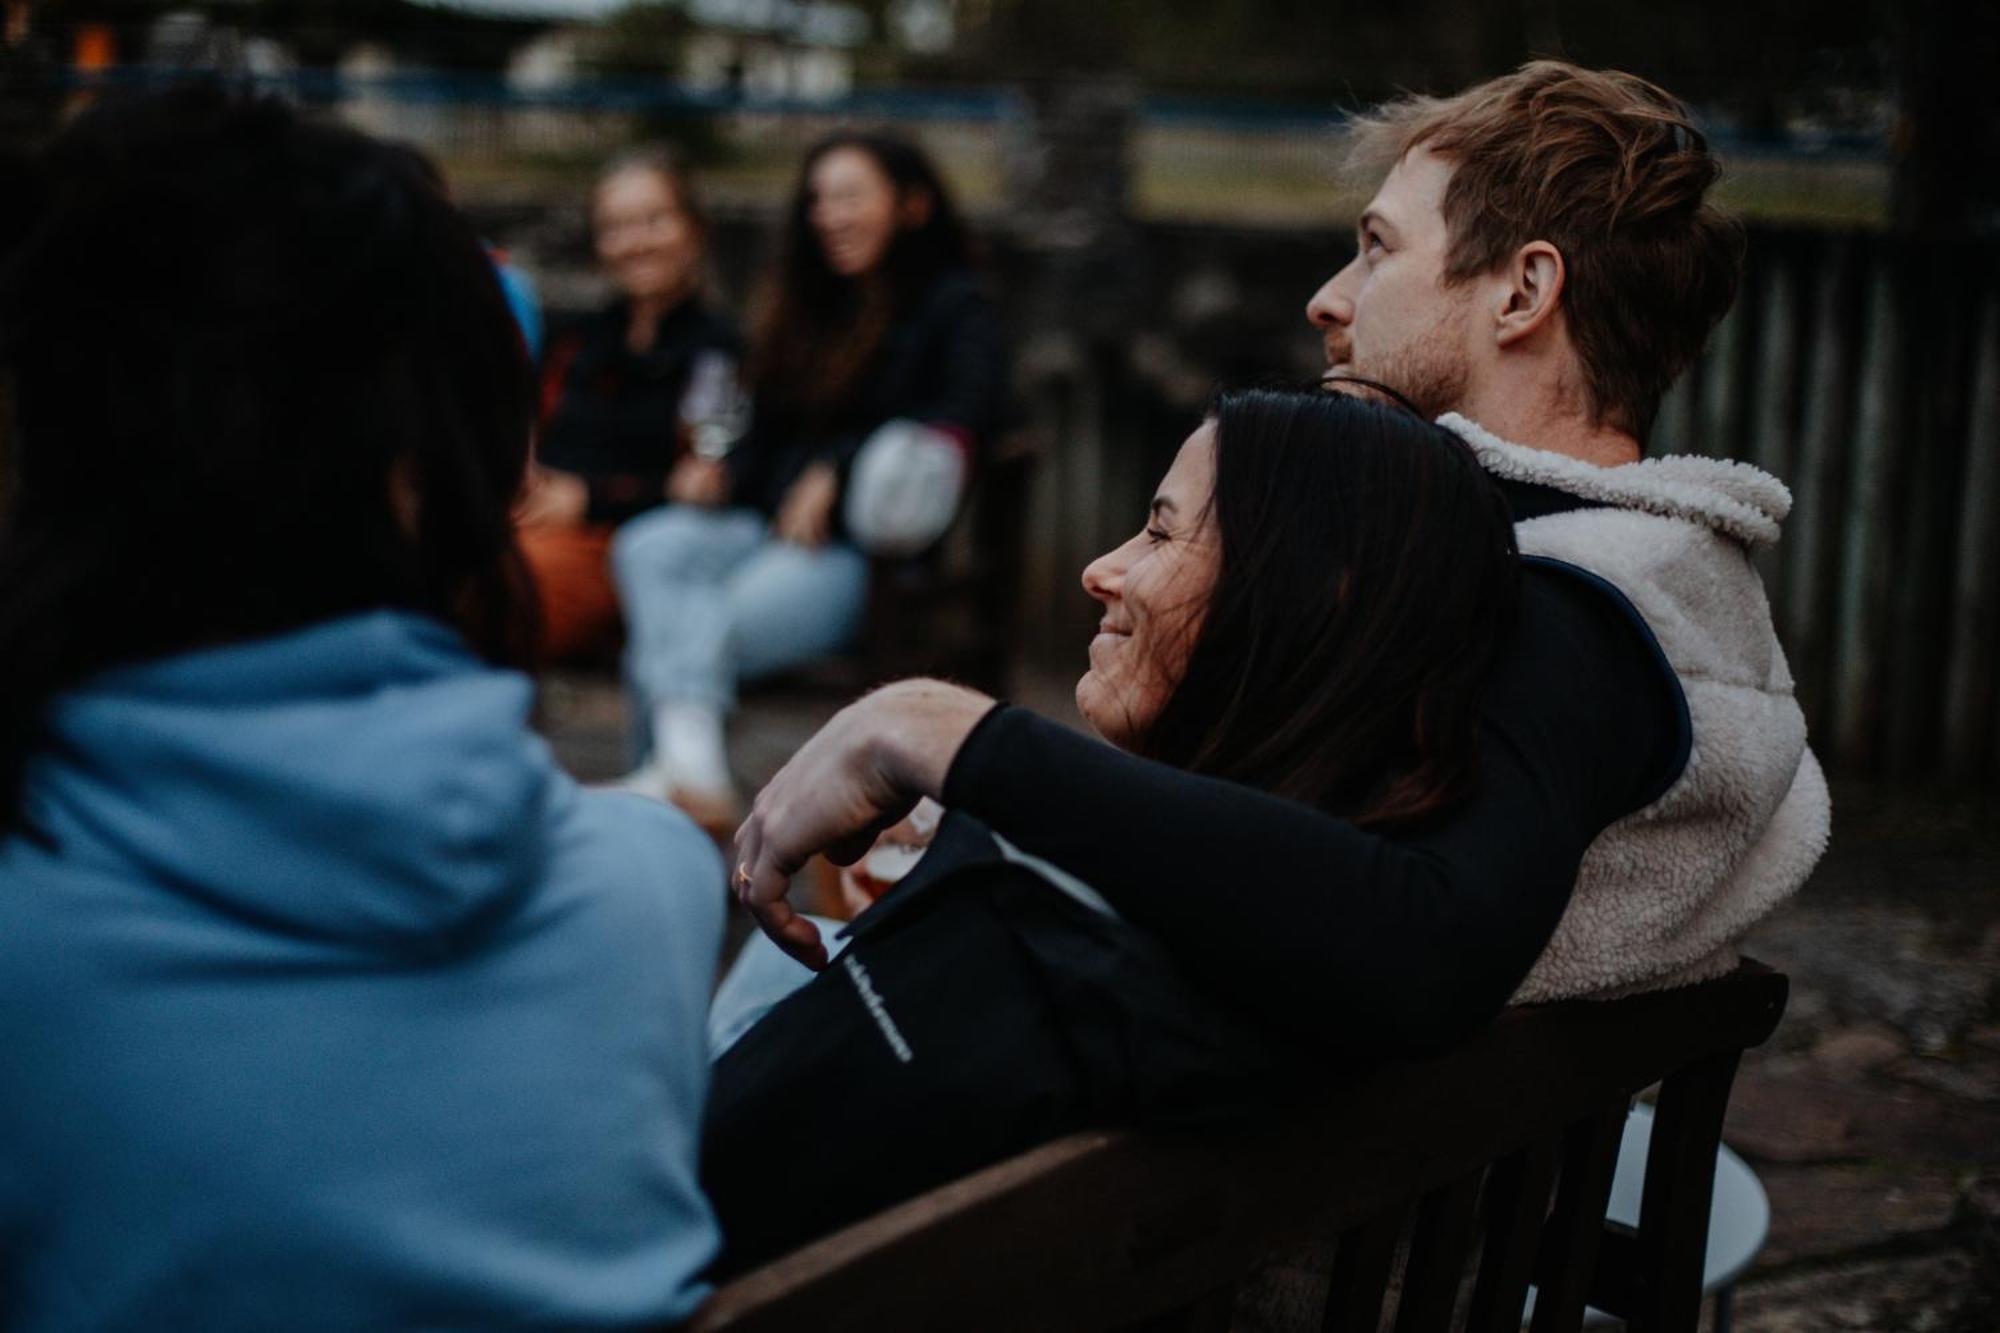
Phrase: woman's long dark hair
(264, 375)
(817, 332)
(1367, 581)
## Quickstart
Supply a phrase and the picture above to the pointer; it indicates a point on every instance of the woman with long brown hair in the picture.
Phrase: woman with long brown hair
(871, 315)
(1313, 608)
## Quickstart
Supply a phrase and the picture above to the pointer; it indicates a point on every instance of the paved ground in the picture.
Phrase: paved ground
(1872, 1117)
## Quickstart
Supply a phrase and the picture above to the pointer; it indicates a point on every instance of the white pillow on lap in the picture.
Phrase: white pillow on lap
(904, 488)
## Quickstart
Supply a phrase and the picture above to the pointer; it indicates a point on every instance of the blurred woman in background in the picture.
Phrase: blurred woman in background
(630, 391)
(871, 315)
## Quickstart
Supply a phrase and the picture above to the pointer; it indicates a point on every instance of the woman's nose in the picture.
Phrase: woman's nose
(1100, 577)
(1104, 576)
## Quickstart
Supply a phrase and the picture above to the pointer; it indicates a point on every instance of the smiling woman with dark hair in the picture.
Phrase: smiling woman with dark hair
(328, 1001)
(1313, 609)
(871, 314)
(1344, 639)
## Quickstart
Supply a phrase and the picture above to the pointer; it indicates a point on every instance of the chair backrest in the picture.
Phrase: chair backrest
(952, 610)
(1490, 1163)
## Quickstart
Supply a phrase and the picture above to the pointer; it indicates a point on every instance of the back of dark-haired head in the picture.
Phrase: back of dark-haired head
(1367, 581)
(264, 375)
(816, 332)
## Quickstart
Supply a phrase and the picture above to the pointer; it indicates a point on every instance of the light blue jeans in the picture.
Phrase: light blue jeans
(711, 598)
(762, 975)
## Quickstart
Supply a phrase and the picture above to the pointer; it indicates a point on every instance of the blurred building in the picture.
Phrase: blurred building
(773, 50)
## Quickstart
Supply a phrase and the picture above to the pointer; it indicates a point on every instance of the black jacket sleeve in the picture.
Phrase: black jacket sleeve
(1358, 942)
(946, 368)
(945, 365)
(965, 387)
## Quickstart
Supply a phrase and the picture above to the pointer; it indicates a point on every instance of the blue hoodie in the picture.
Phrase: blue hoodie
(328, 1001)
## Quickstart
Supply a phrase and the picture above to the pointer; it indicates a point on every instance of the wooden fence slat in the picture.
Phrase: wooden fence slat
(1930, 469)
(1670, 428)
(1722, 388)
(1806, 604)
(1864, 564)
(1053, 418)
(1775, 391)
(1777, 371)
(1971, 747)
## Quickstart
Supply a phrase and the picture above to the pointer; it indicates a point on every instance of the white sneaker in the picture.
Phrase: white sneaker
(688, 742)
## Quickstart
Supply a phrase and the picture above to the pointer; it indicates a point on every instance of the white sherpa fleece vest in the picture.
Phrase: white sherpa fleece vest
(1664, 894)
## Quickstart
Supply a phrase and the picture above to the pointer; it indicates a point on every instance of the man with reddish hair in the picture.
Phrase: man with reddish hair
(1540, 258)
(1538, 266)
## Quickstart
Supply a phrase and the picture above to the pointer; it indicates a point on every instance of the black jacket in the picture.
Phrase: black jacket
(611, 415)
(977, 1012)
(942, 362)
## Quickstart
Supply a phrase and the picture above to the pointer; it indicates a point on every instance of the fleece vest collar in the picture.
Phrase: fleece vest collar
(1664, 894)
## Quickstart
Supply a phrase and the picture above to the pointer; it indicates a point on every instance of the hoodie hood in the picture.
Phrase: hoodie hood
(366, 781)
(1735, 499)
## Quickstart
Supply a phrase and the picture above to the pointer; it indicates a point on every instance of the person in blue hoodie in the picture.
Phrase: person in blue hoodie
(326, 999)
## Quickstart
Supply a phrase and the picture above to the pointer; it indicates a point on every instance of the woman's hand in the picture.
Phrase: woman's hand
(698, 481)
(805, 518)
(552, 499)
(860, 774)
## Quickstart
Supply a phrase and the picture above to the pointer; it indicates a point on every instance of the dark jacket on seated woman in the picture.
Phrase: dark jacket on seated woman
(942, 363)
(613, 415)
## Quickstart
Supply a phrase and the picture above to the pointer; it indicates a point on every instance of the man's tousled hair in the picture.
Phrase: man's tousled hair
(1611, 170)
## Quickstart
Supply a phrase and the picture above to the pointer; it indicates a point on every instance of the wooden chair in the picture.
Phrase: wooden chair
(1457, 1179)
(950, 612)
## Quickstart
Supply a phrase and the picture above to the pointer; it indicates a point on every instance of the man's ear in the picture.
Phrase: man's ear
(1531, 292)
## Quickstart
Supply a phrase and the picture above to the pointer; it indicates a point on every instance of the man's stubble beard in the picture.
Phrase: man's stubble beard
(1430, 370)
